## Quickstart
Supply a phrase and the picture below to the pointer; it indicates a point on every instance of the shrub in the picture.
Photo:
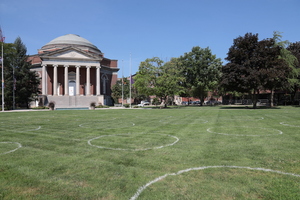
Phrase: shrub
(102, 106)
(156, 101)
(40, 107)
(51, 105)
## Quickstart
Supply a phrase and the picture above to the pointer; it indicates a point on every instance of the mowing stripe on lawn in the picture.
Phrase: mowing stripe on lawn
(279, 132)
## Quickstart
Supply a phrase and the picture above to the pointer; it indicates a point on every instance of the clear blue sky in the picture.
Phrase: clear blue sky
(144, 28)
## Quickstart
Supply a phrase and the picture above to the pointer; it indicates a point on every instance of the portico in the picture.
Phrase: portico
(86, 77)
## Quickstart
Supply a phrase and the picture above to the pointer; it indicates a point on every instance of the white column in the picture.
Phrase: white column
(98, 80)
(66, 80)
(44, 80)
(88, 80)
(54, 80)
(77, 80)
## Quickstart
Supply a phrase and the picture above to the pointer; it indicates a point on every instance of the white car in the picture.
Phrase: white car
(144, 103)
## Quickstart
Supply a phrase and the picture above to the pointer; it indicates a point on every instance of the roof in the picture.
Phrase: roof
(70, 40)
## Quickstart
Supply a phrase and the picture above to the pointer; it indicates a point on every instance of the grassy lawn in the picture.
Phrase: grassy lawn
(179, 153)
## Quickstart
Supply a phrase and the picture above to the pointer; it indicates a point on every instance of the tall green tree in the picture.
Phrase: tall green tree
(145, 80)
(8, 58)
(117, 89)
(158, 78)
(294, 80)
(273, 69)
(169, 81)
(19, 79)
(202, 72)
(253, 65)
(292, 61)
(27, 81)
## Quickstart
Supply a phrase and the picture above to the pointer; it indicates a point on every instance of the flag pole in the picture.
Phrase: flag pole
(14, 88)
(130, 81)
(2, 41)
(122, 83)
(2, 76)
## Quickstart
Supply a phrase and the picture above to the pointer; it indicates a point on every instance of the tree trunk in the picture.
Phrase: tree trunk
(201, 101)
(254, 99)
(293, 95)
(272, 98)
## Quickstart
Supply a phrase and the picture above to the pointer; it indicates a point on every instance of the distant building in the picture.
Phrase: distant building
(74, 73)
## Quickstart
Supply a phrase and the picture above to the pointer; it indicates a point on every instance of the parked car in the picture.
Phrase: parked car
(184, 103)
(196, 102)
(213, 102)
(144, 103)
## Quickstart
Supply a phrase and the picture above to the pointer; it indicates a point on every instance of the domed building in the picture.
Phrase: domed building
(74, 73)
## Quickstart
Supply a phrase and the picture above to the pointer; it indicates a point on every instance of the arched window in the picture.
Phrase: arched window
(104, 80)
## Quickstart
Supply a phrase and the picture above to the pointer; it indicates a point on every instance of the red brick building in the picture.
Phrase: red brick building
(74, 73)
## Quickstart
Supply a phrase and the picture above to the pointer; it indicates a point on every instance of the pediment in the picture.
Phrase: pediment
(71, 54)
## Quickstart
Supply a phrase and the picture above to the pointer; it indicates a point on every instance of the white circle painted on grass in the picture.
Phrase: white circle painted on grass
(121, 149)
(29, 130)
(19, 146)
(285, 124)
(141, 189)
(17, 129)
(275, 130)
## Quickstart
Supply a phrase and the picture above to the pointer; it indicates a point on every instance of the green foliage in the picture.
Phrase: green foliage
(290, 58)
(254, 65)
(201, 70)
(168, 82)
(18, 76)
(40, 107)
(117, 89)
(156, 101)
(102, 106)
(146, 78)
(294, 79)
(156, 78)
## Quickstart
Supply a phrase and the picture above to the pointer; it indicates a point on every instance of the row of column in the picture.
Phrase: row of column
(66, 78)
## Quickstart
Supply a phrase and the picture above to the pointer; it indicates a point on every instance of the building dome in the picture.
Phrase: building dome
(70, 40)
